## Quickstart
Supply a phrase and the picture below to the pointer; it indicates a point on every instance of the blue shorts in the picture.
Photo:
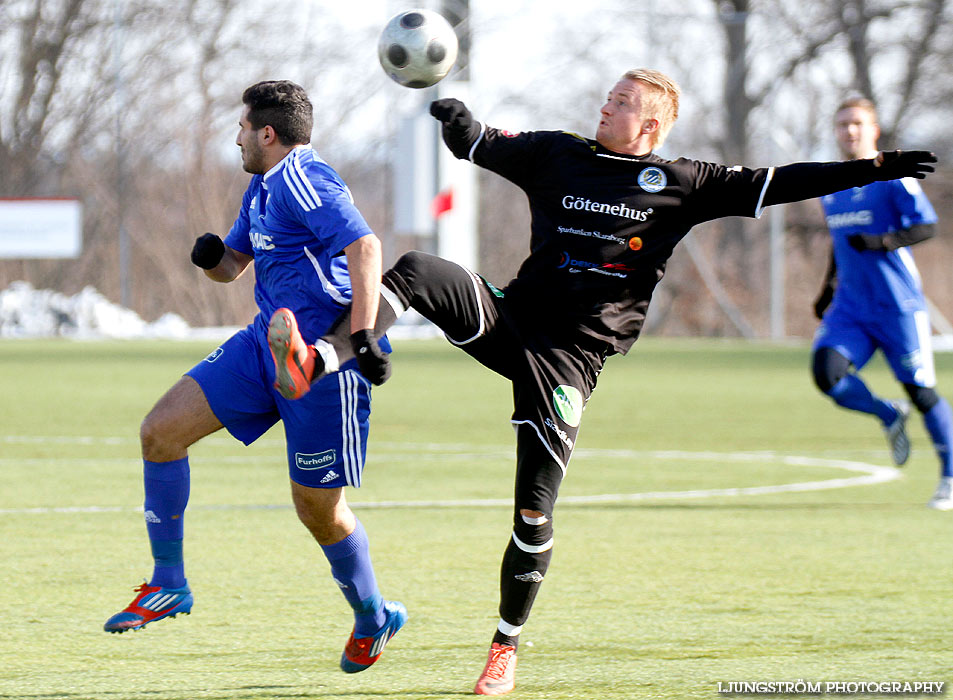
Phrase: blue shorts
(904, 339)
(325, 430)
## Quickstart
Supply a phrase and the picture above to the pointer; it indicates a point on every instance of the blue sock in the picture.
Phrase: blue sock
(167, 494)
(851, 392)
(939, 423)
(353, 572)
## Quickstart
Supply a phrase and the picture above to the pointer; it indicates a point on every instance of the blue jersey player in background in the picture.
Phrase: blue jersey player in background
(313, 253)
(873, 299)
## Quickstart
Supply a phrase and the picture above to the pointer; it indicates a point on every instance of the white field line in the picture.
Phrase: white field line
(869, 474)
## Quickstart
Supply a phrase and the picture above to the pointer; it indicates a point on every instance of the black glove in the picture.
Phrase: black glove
(452, 112)
(460, 129)
(373, 362)
(208, 251)
(893, 165)
(861, 242)
(823, 301)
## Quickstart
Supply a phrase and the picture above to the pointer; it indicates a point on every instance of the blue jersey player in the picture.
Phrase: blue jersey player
(313, 253)
(873, 299)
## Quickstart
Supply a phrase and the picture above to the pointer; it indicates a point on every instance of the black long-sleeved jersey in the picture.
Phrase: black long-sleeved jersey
(604, 224)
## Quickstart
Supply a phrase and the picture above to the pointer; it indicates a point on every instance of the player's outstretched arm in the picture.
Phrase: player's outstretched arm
(792, 183)
(221, 263)
(460, 129)
(894, 165)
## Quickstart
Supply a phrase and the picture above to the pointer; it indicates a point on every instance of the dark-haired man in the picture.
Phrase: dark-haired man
(314, 253)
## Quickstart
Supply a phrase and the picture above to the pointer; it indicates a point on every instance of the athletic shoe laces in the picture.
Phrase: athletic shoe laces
(499, 660)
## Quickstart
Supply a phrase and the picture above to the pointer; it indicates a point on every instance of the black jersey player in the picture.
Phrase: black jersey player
(606, 215)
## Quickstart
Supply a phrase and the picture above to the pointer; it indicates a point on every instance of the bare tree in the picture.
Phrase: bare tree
(760, 80)
(132, 106)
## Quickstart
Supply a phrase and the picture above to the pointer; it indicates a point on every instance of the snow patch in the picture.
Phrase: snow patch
(26, 312)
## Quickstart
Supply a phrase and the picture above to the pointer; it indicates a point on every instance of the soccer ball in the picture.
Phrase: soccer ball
(417, 48)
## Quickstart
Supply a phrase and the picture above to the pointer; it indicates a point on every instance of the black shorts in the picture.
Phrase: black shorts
(553, 371)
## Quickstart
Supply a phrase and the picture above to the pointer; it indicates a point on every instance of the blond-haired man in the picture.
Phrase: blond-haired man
(606, 214)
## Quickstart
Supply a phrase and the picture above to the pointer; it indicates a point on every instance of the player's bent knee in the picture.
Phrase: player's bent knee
(410, 266)
(162, 439)
(401, 278)
(923, 397)
(533, 533)
(153, 439)
(411, 261)
(828, 367)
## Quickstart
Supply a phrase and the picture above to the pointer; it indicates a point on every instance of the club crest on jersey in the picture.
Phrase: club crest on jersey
(652, 180)
(567, 400)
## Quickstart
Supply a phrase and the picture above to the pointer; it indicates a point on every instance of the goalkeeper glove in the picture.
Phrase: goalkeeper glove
(373, 362)
(208, 251)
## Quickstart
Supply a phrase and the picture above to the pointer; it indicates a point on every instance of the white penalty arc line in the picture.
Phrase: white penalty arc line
(870, 474)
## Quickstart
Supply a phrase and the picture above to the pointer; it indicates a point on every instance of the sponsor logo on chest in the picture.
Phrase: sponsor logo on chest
(863, 217)
(573, 203)
(260, 241)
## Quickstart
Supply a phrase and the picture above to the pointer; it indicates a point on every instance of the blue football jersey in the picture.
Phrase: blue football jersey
(296, 220)
(876, 281)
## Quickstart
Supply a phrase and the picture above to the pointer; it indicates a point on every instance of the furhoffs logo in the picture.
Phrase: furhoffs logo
(315, 461)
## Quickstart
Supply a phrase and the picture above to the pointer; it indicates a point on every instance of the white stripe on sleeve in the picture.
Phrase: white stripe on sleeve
(760, 206)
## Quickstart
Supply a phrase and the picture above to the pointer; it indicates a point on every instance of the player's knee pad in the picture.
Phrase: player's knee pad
(828, 367)
(923, 397)
(533, 535)
(530, 551)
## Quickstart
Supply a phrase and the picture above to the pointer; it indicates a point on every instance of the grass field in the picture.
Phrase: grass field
(655, 593)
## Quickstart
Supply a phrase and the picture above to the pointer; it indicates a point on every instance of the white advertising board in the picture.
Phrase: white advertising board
(41, 228)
